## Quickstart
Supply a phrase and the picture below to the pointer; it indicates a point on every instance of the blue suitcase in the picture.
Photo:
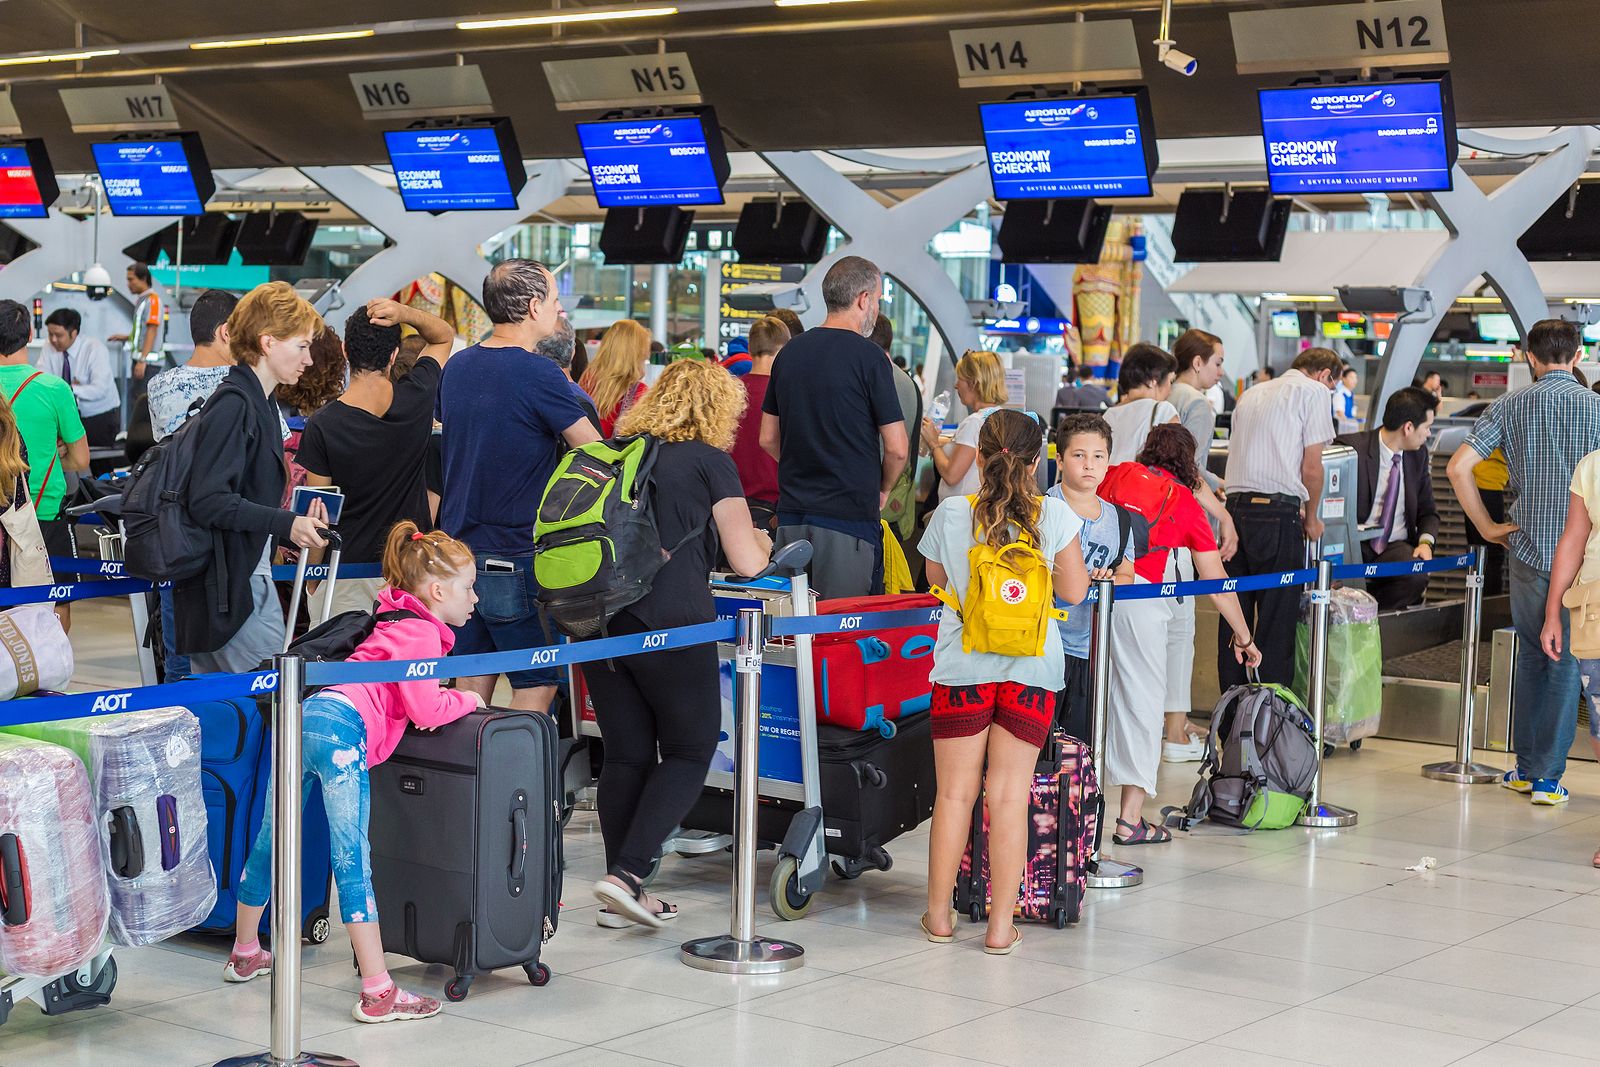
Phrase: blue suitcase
(235, 767)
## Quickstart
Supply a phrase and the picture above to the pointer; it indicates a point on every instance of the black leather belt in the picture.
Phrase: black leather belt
(1244, 499)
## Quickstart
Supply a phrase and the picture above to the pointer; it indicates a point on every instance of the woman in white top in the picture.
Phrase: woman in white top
(1143, 385)
(981, 385)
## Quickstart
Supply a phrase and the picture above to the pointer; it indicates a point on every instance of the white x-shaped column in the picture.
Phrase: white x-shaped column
(895, 238)
(67, 244)
(447, 243)
(1483, 240)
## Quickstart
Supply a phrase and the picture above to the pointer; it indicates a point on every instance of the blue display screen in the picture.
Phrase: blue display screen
(1049, 149)
(651, 162)
(461, 169)
(148, 178)
(1398, 137)
(20, 197)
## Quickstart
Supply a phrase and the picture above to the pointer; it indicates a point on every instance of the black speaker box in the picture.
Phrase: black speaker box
(1555, 236)
(1053, 231)
(767, 234)
(275, 239)
(13, 245)
(1246, 227)
(645, 235)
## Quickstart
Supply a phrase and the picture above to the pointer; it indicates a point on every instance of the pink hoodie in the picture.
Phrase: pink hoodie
(386, 707)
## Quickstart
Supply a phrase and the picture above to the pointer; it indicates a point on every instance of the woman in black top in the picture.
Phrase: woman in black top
(670, 701)
(228, 617)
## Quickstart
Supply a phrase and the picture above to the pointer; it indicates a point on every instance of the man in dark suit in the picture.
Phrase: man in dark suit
(1395, 494)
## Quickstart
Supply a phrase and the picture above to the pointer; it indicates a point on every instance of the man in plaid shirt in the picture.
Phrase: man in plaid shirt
(1543, 430)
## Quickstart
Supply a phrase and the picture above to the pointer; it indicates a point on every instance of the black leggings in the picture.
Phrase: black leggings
(669, 701)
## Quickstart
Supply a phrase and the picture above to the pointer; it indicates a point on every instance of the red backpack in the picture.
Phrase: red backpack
(1148, 497)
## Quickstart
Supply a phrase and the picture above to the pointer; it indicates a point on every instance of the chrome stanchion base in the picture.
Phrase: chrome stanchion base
(728, 955)
(305, 1059)
(1327, 815)
(1107, 873)
(1462, 773)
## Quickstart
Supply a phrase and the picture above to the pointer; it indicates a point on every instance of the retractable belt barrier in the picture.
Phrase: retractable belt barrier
(316, 572)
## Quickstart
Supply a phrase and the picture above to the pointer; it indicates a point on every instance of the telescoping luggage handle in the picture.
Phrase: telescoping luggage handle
(330, 537)
(15, 907)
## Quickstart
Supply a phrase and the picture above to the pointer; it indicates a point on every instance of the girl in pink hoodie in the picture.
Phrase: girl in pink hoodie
(349, 729)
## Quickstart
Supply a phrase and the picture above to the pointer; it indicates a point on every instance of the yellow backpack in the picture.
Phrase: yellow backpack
(1009, 601)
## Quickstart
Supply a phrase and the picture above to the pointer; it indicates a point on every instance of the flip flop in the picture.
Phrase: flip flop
(1016, 939)
(623, 902)
(1143, 834)
(939, 939)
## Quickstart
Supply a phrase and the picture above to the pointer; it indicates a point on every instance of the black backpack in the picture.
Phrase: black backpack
(333, 641)
(163, 542)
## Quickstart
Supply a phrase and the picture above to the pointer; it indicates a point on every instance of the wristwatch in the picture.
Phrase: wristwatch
(1426, 539)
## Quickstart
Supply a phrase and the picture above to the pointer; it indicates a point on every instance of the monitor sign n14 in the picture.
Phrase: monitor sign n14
(649, 162)
(1068, 148)
(458, 169)
(1363, 138)
(147, 178)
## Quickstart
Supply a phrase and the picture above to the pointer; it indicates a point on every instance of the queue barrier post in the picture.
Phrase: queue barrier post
(740, 951)
(1104, 872)
(284, 1048)
(1319, 813)
(1462, 770)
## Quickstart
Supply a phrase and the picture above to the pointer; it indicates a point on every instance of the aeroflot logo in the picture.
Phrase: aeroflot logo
(1060, 116)
(439, 142)
(137, 153)
(1345, 103)
(642, 134)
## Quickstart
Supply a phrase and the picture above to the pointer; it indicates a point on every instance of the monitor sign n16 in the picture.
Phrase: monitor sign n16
(148, 178)
(650, 162)
(1360, 138)
(457, 169)
(1067, 148)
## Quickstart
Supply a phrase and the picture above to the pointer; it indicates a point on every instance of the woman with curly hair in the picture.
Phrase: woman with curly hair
(669, 702)
(615, 380)
(322, 382)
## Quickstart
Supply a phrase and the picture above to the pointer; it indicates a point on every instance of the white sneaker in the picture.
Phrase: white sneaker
(1193, 752)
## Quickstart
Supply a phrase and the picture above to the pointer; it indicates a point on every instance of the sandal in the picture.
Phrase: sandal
(629, 902)
(939, 939)
(1004, 950)
(1143, 834)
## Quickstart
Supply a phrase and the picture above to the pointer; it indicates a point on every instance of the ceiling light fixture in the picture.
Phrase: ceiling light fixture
(811, 3)
(60, 57)
(563, 17)
(298, 38)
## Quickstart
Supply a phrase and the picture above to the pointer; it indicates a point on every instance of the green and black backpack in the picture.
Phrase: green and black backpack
(596, 548)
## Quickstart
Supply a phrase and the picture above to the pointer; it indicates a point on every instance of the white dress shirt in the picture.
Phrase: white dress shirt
(93, 382)
(1273, 424)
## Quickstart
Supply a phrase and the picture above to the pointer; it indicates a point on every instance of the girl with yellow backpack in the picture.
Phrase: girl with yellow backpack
(996, 559)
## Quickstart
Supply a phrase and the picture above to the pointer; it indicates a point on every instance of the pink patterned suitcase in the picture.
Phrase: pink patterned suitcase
(1064, 808)
(53, 898)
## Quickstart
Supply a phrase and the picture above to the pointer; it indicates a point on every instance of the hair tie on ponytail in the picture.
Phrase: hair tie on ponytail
(418, 536)
(1005, 451)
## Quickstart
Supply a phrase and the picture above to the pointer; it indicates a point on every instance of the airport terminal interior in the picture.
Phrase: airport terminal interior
(1380, 214)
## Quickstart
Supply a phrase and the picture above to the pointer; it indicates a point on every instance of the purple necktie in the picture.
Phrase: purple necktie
(66, 367)
(1391, 499)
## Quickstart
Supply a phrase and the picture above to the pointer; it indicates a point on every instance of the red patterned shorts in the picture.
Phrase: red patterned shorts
(1023, 711)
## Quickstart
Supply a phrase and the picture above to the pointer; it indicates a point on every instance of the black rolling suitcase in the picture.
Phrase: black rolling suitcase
(874, 789)
(466, 845)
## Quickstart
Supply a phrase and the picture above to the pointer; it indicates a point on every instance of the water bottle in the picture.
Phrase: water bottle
(939, 408)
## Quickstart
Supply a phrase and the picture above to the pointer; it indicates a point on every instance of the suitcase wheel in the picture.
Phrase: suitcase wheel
(977, 912)
(68, 994)
(1355, 746)
(538, 974)
(456, 989)
(788, 902)
(1060, 918)
(316, 928)
(849, 869)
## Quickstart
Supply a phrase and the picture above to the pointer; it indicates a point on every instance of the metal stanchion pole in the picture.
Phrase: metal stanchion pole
(1318, 813)
(1461, 769)
(740, 951)
(1104, 872)
(284, 1049)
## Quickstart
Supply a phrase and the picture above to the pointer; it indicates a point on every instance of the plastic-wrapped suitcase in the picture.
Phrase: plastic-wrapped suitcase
(235, 766)
(874, 789)
(466, 844)
(144, 772)
(1064, 809)
(1354, 697)
(53, 899)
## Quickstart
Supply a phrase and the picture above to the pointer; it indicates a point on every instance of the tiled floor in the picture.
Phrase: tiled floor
(1289, 947)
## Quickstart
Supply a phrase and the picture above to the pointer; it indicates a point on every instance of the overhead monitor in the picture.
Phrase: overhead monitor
(1346, 326)
(670, 161)
(166, 175)
(473, 167)
(1241, 226)
(1286, 323)
(27, 181)
(1362, 137)
(1098, 147)
(1497, 326)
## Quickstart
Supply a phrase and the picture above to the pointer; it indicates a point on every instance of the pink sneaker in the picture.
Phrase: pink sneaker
(243, 968)
(394, 1006)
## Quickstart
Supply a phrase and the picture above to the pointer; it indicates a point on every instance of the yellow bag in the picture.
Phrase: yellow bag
(896, 571)
(1010, 599)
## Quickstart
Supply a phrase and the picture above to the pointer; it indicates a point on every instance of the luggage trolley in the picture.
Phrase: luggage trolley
(89, 986)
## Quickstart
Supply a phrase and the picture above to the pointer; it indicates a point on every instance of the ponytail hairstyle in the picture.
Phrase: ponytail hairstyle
(412, 559)
(1008, 494)
(1171, 448)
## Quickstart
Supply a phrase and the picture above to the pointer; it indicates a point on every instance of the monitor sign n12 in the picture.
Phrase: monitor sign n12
(649, 162)
(147, 178)
(459, 169)
(1363, 138)
(1067, 148)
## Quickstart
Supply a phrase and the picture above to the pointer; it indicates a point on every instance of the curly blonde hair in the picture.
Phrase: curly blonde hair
(693, 400)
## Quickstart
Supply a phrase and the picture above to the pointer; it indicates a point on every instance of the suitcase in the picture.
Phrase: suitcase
(466, 845)
(874, 789)
(53, 899)
(866, 681)
(144, 776)
(1065, 807)
(1354, 683)
(235, 767)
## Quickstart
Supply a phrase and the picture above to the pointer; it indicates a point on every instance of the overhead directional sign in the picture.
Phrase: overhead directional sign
(120, 107)
(1047, 53)
(736, 276)
(1396, 33)
(666, 79)
(421, 92)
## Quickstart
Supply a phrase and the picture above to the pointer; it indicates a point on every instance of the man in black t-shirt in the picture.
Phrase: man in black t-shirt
(830, 404)
(372, 442)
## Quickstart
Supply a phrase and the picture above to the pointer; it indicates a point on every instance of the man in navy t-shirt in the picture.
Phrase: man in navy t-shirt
(505, 411)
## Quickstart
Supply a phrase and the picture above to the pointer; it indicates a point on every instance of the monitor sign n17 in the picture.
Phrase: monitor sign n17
(1362, 138)
(1047, 149)
(649, 162)
(147, 178)
(19, 190)
(458, 169)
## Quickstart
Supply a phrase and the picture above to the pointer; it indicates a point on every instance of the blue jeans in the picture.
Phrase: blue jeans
(507, 618)
(177, 665)
(1545, 695)
(334, 750)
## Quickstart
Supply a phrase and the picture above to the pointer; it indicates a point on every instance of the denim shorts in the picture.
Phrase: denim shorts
(507, 618)
(1589, 674)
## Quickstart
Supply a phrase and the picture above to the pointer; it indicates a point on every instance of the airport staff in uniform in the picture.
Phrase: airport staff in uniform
(85, 363)
(1394, 493)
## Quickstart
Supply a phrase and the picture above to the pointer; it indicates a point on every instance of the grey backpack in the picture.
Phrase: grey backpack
(1260, 762)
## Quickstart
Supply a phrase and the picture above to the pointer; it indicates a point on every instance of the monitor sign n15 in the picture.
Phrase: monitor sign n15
(650, 162)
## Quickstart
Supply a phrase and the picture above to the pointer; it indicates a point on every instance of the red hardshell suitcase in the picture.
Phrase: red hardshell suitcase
(865, 681)
(54, 903)
(1064, 809)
